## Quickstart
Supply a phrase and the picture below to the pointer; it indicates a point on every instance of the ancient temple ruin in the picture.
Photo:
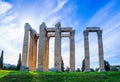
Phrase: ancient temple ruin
(35, 54)
(100, 48)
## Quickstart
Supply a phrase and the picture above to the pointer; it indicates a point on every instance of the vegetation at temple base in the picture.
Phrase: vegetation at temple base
(83, 65)
(106, 66)
(19, 63)
(22, 76)
(78, 70)
(62, 65)
(1, 60)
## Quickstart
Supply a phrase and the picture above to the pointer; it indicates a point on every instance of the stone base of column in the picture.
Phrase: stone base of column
(87, 70)
(39, 70)
(72, 70)
(56, 70)
(24, 68)
(101, 70)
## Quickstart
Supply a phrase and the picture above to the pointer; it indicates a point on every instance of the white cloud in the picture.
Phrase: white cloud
(10, 33)
(4, 7)
(60, 5)
(11, 39)
(52, 21)
(10, 18)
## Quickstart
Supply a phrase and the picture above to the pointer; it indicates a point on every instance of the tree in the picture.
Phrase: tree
(11, 67)
(67, 69)
(78, 70)
(92, 70)
(113, 68)
(106, 65)
(1, 60)
(62, 65)
(83, 65)
(97, 69)
(19, 62)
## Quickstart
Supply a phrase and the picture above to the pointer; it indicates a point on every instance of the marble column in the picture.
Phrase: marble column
(47, 54)
(101, 53)
(25, 47)
(35, 52)
(57, 56)
(72, 51)
(32, 51)
(86, 47)
(41, 50)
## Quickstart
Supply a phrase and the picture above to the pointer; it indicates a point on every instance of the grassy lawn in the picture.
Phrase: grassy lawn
(21, 76)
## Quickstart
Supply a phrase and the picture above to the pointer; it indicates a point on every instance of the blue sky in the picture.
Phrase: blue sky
(77, 14)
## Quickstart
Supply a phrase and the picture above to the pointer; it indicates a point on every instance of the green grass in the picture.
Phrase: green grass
(21, 76)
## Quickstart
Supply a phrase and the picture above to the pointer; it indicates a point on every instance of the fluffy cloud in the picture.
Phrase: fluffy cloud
(60, 5)
(9, 33)
(4, 7)
(9, 18)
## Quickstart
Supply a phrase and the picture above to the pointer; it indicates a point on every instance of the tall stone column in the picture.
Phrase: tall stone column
(41, 50)
(47, 54)
(86, 47)
(25, 47)
(30, 55)
(57, 56)
(72, 51)
(35, 52)
(101, 53)
(32, 51)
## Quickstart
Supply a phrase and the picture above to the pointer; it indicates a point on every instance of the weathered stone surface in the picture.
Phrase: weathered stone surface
(72, 51)
(24, 68)
(93, 28)
(25, 45)
(41, 50)
(86, 46)
(47, 55)
(67, 29)
(30, 54)
(100, 48)
(101, 54)
(57, 58)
